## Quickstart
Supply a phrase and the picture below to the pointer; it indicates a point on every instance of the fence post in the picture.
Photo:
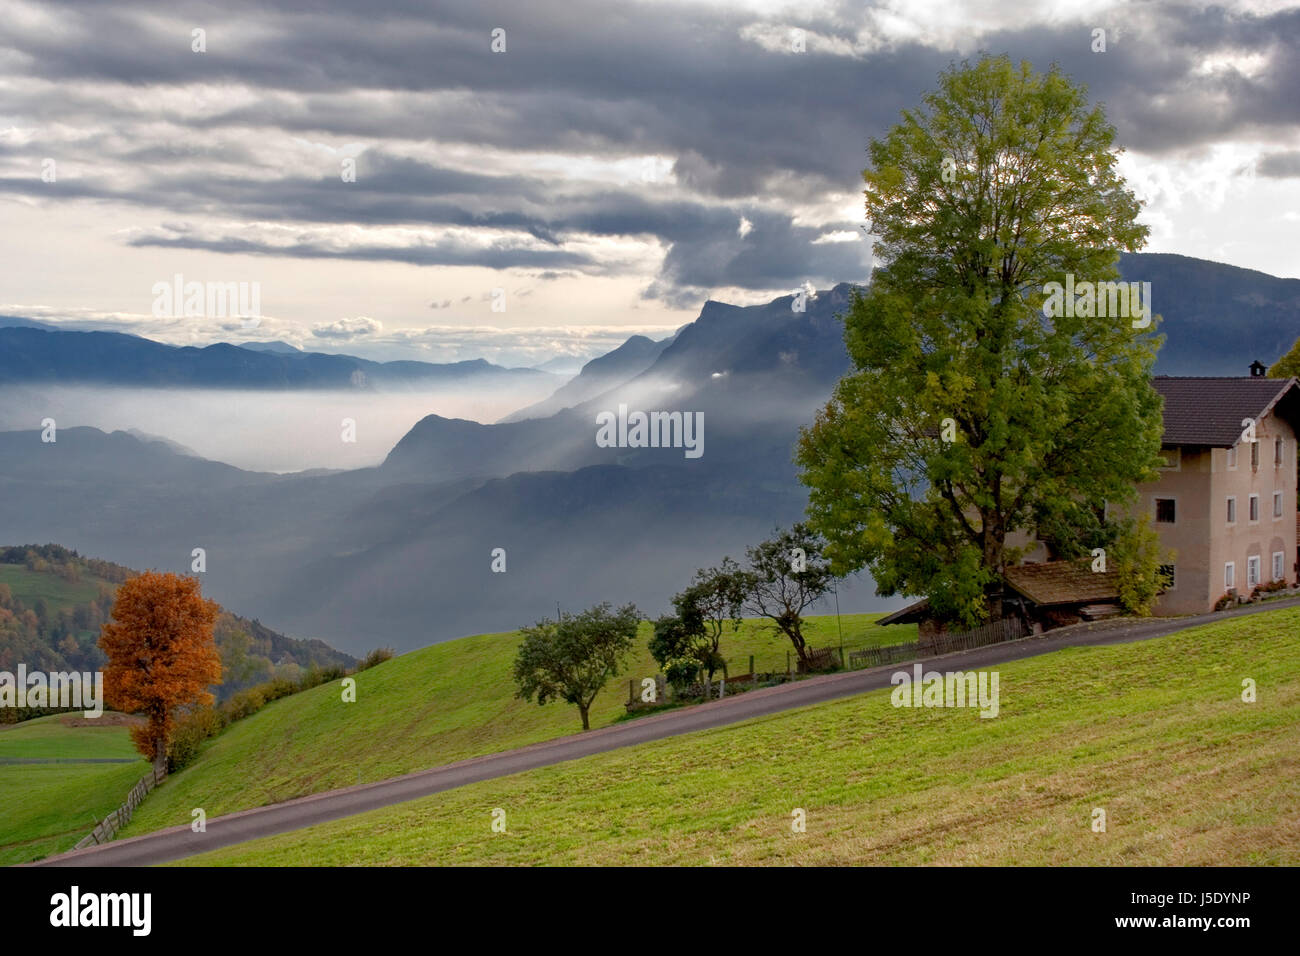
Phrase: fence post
(751, 667)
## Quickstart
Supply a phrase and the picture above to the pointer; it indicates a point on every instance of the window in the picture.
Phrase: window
(1171, 459)
(1254, 455)
(1230, 575)
(1232, 509)
(1168, 572)
(1254, 507)
(1278, 558)
(1252, 572)
(1277, 504)
(1277, 453)
(1232, 458)
(1165, 510)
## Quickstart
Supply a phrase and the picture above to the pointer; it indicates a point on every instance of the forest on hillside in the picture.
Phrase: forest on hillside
(53, 603)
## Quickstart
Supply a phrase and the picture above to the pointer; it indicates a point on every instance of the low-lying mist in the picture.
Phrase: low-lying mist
(278, 431)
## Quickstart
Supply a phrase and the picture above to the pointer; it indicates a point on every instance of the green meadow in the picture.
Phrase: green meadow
(428, 707)
(46, 808)
(1155, 733)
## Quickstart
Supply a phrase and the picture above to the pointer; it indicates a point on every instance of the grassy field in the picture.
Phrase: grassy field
(1155, 733)
(425, 708)
(27, 586)
(46, 808)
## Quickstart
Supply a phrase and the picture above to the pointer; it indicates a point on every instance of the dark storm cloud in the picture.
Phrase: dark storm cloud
(741, 124)
(442, 253)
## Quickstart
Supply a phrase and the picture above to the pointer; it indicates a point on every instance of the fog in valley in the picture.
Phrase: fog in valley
(262, 430)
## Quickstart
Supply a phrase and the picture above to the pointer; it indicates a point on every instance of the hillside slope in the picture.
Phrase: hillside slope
(1153, 733)
(425, 708)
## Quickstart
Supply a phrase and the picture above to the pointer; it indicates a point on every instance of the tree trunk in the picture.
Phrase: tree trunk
(994, 540)
(800, 645)
(582, 709)
(160, 755)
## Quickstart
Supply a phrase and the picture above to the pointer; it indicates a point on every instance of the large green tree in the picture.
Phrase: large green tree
(969, 413)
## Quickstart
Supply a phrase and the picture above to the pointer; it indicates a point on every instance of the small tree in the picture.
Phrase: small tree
(572, 657)
(161, 655)
(787, 575)
(680, 648)
(1137, 557)
(715, 597)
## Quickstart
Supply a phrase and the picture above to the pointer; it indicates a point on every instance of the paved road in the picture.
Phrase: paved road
(178, 842)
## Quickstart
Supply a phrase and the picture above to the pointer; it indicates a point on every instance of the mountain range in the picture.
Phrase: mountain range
(35, 353)
(401, 554)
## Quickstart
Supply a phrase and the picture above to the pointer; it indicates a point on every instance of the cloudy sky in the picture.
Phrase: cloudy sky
(606, 169)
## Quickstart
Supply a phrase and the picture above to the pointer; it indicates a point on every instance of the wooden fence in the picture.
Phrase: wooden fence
(1007, 629)
(108, 827)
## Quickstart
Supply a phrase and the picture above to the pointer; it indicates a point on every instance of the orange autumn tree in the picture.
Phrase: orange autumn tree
(161, 655)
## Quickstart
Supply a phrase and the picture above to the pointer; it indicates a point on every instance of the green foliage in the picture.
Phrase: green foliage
(190, 731)
(788, 573)
(679, 649)
(1288, 366)
(571, 658)
(1048, 418)
(1136, 556)
(377, 656)
(714, 599)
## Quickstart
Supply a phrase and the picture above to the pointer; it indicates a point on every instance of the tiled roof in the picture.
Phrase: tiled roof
(1209, 411)
(1062, 582)
(908, 615)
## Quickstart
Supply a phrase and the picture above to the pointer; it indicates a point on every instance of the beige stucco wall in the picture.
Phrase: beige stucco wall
(1203, 537)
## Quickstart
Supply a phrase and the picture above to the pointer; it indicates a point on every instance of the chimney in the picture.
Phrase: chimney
(1258, 370)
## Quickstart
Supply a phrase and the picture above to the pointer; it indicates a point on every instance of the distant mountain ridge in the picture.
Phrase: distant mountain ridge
(599, 375)
(37, 355)
(1217, 318)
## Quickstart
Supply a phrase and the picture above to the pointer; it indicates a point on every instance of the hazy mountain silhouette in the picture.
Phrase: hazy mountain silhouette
(35, 355)
(597, 376)
(276, 346)
(1217, 318)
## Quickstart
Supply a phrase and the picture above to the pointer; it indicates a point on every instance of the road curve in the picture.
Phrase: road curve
(178, 842)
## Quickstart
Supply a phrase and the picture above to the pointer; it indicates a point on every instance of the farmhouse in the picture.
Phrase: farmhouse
(1225, 504)
(1225, 500)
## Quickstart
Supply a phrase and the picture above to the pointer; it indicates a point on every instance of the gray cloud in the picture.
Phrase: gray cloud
(747, 130)
(1279, 165)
